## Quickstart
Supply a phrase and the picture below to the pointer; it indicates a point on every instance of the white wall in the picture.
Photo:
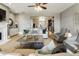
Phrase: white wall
(12, 16)
(57, 23)
(24, 22)
(68, 20)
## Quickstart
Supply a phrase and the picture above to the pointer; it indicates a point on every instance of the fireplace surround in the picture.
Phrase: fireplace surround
(3, 32)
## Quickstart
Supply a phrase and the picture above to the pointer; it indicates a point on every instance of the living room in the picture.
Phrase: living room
(26, 29)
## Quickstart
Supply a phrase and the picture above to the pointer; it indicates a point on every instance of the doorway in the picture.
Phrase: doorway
(51, 26)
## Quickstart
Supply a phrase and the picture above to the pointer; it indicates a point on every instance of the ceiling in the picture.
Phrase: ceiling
(52, 8)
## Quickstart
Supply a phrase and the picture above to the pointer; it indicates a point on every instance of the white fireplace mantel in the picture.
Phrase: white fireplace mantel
(3, 30)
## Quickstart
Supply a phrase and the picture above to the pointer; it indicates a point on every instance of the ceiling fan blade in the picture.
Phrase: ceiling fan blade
(37, 4)
(44, 3)
(31, 6)
(43, 7)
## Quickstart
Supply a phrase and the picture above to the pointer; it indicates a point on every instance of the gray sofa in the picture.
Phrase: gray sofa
(60, 37)
(72, 43)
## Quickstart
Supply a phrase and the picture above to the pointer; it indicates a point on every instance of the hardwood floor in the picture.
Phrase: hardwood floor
(12, 45)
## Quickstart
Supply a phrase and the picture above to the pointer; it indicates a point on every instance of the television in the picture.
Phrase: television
(2, 15)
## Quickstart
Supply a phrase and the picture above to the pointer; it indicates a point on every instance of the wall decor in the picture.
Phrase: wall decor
(10, 22)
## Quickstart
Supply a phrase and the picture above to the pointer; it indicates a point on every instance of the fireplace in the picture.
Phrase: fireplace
(3, 33)
(0, 36)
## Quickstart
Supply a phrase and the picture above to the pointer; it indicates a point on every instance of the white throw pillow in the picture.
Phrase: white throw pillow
(48, 48)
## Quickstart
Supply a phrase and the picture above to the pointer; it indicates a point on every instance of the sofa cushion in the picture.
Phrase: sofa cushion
(38, 45)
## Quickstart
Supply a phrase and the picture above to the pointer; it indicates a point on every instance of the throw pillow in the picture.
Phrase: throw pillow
(47, 49)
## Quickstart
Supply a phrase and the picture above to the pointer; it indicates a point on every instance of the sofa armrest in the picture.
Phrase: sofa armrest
(71, 47)
(74, 46)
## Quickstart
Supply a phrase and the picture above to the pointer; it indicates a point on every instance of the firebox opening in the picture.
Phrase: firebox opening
(0, 36)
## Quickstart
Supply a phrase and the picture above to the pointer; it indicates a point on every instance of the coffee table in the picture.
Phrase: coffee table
(31, 41)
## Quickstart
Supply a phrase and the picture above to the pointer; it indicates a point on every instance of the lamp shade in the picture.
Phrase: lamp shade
(69, 35)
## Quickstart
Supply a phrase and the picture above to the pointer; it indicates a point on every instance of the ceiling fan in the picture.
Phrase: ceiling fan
(41, 5)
